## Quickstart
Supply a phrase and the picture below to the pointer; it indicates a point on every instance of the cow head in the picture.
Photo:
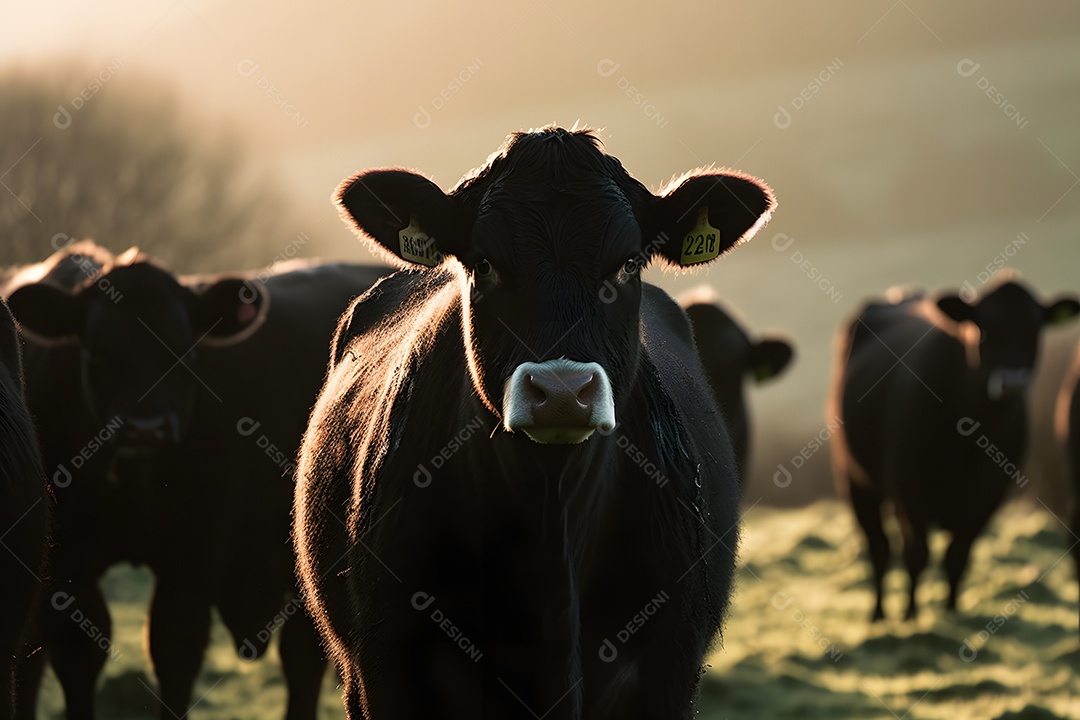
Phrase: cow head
(1009, 319)
(551, 236)
(139, 332)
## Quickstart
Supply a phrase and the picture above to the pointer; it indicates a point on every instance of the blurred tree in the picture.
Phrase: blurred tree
(102, 153)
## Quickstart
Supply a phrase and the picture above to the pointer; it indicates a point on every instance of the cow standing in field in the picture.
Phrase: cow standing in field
(171, 409)
(474, 538)
(933, 401)
(53, 394)
(1068, 428)
(24, 517)
(730, 355)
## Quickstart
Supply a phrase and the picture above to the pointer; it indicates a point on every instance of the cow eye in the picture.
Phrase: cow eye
(630, 268)
(483, 270)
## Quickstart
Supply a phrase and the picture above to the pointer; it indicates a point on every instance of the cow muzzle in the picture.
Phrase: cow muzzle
(559, 401)
(1006, 382)
(140, 436)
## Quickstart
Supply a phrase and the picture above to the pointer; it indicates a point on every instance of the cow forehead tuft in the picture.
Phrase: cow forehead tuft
(142, 277)
(1010, 290)
(145, 288)
(1010, 302)
(550, 161)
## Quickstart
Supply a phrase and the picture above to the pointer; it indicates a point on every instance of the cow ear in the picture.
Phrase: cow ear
(47, 313)
(409, 220)
(769, 357)
(706, 214)
(229, 310)
(956, 308)
(1061, 311)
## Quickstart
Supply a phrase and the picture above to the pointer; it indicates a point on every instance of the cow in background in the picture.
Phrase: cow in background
(932, 394)
(730, 356)
(190, 395)
(63, 424)
(24, 519)
(1067, 421)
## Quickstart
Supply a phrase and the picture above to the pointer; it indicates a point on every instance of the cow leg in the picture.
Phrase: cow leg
(354, 706)
(866, 502)
(179, 630)
(28, 673)
(20, 639)
(76, 656)
(304, 664)
(956, 561)
(669, 679)
(956, 557)
(916, 555)
(1076, 532)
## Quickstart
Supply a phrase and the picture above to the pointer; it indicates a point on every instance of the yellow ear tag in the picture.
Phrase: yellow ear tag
(702, 243)
(417, 246)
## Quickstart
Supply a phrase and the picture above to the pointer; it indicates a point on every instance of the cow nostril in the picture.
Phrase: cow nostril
(534, 391)
(561, 388)
(586, 394)
(138, 431)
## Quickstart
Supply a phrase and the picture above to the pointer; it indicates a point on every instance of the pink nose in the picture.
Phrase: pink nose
(559, 401)
(561, 398)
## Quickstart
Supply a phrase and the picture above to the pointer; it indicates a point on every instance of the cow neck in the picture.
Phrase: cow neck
(1004, 421)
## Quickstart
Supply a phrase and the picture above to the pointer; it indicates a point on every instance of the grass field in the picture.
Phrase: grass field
(798, 642)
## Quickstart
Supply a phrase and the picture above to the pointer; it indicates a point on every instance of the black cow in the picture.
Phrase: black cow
(51, 368)
(932, 398)
(730, 355)
(196, 391)
(24, 516)
(1068, 425)
(516, 495)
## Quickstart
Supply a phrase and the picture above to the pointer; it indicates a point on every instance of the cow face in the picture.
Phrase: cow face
(551, 237)
(1009, 319)
(139, 333)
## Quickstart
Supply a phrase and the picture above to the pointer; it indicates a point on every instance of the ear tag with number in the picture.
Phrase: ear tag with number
(417, 246)
(702, 243)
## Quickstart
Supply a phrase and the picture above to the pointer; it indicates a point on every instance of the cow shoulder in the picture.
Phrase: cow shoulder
(681, 400)
(663, 318)
(306, 302)
(906, 362)
(398, 365)
(912, 330)
(383, 300)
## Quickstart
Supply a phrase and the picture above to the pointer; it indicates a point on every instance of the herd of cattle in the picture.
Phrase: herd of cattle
(519, 448)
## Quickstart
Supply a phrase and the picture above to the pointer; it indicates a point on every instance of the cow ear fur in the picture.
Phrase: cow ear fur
(769, 357)
(407, 219)
(1062, 310)
(954, 307)
(705, 214)
(47, 312)
(230, 310)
